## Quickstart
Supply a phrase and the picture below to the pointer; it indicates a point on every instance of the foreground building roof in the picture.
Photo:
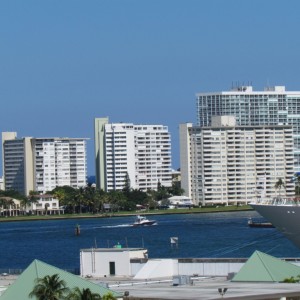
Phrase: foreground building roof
(262, 267)
(25, 283)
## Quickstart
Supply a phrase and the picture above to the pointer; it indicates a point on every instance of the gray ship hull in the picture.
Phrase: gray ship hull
(286, 218)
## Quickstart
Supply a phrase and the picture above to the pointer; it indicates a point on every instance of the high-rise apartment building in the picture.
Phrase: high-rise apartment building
(224, 163)
(140, 152)
(41, 164)
(17, 163)
(273, 106)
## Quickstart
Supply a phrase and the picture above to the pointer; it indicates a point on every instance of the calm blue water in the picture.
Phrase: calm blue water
(199, 235)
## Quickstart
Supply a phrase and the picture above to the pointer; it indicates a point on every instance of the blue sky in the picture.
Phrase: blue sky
(63, 63)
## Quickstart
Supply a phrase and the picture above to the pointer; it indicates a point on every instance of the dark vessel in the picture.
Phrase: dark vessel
(251, 223)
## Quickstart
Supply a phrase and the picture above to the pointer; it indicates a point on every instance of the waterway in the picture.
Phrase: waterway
(199, 235)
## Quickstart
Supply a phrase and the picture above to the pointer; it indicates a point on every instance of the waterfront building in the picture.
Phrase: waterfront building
(136, 154)
(223, 163)
(41, 164)
(44, 204)
(273, 106)
(10, 207)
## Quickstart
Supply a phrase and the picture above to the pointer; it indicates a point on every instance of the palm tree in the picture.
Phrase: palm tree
(6, 203)
(49, 288)
(279, 184)
(109, 296)
(84, 294)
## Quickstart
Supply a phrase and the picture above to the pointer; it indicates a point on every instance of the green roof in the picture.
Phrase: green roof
(262, 267)
(25, 283)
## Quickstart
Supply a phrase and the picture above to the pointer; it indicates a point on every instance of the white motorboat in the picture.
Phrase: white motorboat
(143, 221)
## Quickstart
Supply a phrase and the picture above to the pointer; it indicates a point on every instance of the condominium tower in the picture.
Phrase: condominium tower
(41, 164)
(225, 164)
(140, 153)
(273, 106)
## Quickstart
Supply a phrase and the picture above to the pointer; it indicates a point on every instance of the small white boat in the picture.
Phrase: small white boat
(143, 221)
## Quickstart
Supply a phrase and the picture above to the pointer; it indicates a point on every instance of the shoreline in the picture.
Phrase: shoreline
(115, 215)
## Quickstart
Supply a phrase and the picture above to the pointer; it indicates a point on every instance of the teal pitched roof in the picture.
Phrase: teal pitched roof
(25, 283)
(262, 267)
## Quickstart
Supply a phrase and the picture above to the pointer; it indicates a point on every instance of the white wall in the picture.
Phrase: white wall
(95, 262)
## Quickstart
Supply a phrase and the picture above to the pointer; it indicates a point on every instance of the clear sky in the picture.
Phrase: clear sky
(65, 62)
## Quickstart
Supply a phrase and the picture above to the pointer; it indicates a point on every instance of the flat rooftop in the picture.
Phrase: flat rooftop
(202, 288)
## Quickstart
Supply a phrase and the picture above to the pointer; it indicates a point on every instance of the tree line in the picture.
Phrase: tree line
(89, 199)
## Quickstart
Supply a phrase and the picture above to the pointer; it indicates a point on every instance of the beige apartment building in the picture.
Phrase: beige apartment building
(224, 163)
(41, 164)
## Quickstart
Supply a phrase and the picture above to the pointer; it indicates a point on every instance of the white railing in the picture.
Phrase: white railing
(278, 201)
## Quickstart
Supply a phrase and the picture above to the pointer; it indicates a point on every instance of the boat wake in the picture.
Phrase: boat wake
(113, 226)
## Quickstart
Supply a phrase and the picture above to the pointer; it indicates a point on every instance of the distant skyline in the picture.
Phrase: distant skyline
(64, 63)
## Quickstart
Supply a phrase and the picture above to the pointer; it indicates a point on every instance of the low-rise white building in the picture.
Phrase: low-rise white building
(134, 263)
(104, 262)
(44, 204)
(181, 201)
(10, 207)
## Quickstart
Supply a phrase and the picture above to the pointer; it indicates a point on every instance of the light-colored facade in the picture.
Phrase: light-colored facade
(142, 152)
(10, 207)
(273, 106)
(44, 204)
(99, 133)
(1, 184)
(59, 162)
(105, 262)
(225, 163)
(41, 164)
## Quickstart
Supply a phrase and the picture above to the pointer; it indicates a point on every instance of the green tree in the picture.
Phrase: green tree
(297, 183)
(66, 196)
(176, 189)
(109, 296)
(117, 200)
(84, 294)
(127, 184)
(49, 288)
(292, 279)
(279, 185)
(6, 203)
(162, 192)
